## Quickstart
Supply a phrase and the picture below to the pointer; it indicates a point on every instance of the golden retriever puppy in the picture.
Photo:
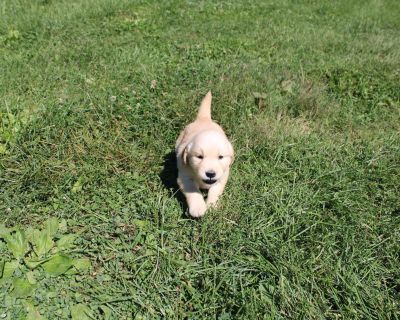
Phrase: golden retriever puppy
(204, 155)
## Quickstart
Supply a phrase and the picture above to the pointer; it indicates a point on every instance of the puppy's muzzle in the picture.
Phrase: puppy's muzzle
(209, 181)
(210, 174)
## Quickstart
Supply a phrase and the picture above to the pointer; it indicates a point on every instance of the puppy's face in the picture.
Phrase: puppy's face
(209, 155)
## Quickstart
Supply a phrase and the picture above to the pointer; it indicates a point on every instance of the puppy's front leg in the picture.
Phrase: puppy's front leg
(194, 198)
(215, 191)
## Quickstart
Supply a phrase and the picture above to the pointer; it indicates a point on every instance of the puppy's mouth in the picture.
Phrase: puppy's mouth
(209, 181)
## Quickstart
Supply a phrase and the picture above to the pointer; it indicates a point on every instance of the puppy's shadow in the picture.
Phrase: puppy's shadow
(168, 177)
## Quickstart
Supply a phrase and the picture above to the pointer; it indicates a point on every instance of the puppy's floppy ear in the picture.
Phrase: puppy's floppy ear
(231, 152)
(185, 153)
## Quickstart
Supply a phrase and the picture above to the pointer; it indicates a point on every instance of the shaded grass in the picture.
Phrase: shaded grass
(309, 224)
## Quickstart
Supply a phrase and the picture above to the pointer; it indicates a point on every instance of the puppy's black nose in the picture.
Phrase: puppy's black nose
(210, 174)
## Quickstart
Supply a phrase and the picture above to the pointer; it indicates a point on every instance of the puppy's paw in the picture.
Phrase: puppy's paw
(198, 209)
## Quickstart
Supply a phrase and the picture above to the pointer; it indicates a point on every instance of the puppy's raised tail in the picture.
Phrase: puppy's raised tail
(205, 108)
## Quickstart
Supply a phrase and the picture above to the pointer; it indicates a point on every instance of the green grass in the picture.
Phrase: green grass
(308, 91)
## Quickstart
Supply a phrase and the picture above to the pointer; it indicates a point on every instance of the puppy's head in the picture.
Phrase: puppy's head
(209, 155)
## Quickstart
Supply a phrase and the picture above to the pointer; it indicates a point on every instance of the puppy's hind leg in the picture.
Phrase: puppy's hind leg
(194, 198)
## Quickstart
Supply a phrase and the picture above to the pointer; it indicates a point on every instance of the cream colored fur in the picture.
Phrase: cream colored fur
(202, 149)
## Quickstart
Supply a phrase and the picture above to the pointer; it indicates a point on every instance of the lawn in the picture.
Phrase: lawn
(93, 94)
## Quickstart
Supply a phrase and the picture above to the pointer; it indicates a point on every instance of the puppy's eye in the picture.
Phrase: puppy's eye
(220, 157)
(200, 157)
